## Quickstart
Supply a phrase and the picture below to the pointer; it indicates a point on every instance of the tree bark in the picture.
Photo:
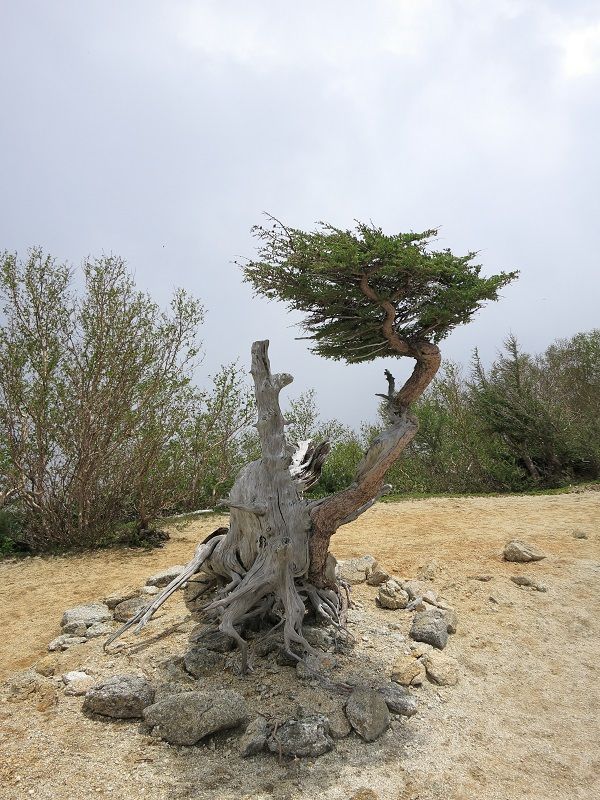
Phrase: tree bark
(272, 561)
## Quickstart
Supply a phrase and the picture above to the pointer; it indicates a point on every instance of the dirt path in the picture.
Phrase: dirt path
(524, 720)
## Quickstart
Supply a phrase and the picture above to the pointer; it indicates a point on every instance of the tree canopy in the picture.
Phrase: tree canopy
(367, 294)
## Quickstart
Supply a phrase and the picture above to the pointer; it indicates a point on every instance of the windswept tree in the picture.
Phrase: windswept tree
(365, 295)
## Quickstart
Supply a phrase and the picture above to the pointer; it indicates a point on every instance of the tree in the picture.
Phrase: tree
(365, 295)
(92, 389)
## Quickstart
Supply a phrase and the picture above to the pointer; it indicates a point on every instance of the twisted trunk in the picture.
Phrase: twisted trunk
(272, 561)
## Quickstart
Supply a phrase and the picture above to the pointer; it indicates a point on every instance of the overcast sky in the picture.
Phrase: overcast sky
(160, 131)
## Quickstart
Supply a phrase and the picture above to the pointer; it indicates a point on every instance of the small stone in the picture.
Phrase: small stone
(150, 590)
(97, 629)
(482, 578)
(408, 671)
(165, 576)
(74, 675)
(450, 616)
(124, 611)
(254, 738)
(311, 665)
(354, 570)
(441, 669)
(517, 550)
(368, 713)
(46, 666)
(120, 596)
(308, 736)
(186, 718)
(339, 727)
(419, 649)
(76, 620)
(79, 687)
(430, 598)
(398, 699)
(415, 589)
(65, 641)
(391, 595)
(200, 661)
(430, 627)
(523, 580)
(120, 697)
(429, 571)
(579, 534)
(376, 575)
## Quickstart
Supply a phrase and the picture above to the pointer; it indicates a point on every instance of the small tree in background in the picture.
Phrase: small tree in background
(364, 295)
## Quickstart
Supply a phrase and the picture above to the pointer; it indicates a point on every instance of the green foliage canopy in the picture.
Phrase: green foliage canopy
(325, 273)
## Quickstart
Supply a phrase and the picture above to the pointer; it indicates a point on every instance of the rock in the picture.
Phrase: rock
(124, 611)
(339, 727)
(578, 534)
(368, 713)
(97, 629)
(430, 627)
(408, 671)
(449, 615)
(194, 594)
(311, 664)
(419, 649)
(46, 666)
(441, 669)
(120, 596)
(78, 619)
(120, 697)
(254, 738)
(150, 590)
(200, 661)
(186, 718)
(430, 598)
(79, 687)
(523, 580)
(521, 552)
(29, 684)
(318, 637)
(415, 589)
(355, 570)
(206, 636)
(74, 675)
(168, 689)
(391, 595)
(429, 571)
(308, 736)
(398, 699)
(482, 578)
(376, 575)
(64, 641)
(165, 576)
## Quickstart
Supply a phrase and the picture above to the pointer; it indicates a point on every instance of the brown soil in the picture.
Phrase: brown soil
(523, 721)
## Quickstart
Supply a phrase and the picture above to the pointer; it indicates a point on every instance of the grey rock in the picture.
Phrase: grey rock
(186, 718)
(430, 627)
(391, 595)
(150, 590)
(339, 727)
(531, 583)
(313, 664)
(206, 636)
(519, 551)
(97, 629)
(200, 661)
(408, 671)
(79, 687)
(579, 534)
(74, 675)
(76, 620)
(165, 576)
(308, 736)
(169, 689)
(120, 697)
(124, 611)
(354, 570)
(415, 589)
(449, 615)
(368, 713)
(318, 637)
(376, 575)
(65, 641)
(254, 738)
(398, 699)
(120, 596)
(430, 598)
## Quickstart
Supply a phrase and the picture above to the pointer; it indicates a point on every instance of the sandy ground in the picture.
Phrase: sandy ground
(523, 721)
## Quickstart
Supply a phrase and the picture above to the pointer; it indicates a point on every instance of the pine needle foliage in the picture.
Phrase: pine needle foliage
(323, 274)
